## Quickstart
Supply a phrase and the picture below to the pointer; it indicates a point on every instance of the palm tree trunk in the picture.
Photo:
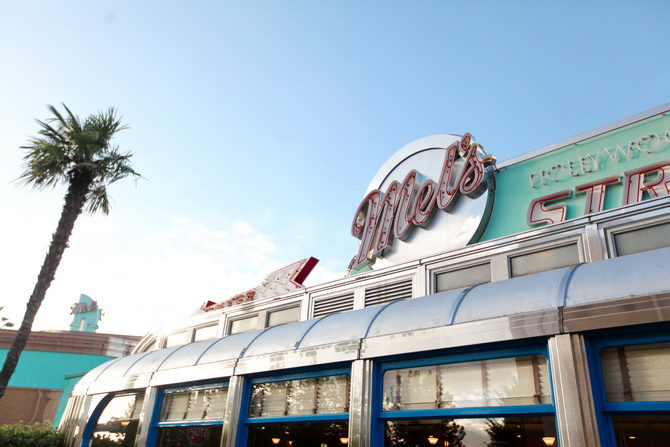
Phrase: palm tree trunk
(75, 199)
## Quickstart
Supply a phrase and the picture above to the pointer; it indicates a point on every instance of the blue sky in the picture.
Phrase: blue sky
(259, 124)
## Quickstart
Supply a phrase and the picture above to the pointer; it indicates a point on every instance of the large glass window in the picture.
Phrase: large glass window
(642, 239)
(483, 383)
(283, 316)
(192, 416)
(205, 332)
(631, 373)
(176, 339)
(118, 422)
(512, 431)
(311, 412)
(543, 260)
(318, 395)
(464, 277)
(635, 392)
(243, 325)
(641, 430)
(305, 434)
(488, 402)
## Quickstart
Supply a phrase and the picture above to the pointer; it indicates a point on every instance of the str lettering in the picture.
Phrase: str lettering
(652, 180)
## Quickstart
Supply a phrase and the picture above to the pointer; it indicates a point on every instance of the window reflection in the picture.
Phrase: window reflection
(631, 373)
(194, 405)
(318, 395)
(323, 434)
(641, 430)
(520, 380)
(513, 431)
(195, 435)
(117, 424)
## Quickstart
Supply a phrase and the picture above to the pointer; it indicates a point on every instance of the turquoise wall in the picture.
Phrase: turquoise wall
(41, 369)
(567, 167)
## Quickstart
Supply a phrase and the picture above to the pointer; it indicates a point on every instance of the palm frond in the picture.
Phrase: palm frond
(67, 148)
(97, 200)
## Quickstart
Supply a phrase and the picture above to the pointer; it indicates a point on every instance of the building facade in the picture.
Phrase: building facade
(50, 366)
(520, 303)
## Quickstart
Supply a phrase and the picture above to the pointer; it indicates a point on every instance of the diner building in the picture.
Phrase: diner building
(523, 302)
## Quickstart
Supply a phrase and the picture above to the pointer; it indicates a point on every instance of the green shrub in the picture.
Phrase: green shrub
(37, 435)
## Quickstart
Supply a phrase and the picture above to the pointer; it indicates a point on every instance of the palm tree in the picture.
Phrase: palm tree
(80, 155)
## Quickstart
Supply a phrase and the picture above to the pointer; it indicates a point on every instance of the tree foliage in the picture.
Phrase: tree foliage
(37, 435)
(67, 149)
(80, 155)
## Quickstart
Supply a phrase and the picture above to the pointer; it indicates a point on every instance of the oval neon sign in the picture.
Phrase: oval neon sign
(441, 172)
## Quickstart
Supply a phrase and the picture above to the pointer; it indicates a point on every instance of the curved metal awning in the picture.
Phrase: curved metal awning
(635, 288)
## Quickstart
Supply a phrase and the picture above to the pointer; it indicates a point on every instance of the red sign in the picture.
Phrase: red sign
(280, 281)
(198, 435)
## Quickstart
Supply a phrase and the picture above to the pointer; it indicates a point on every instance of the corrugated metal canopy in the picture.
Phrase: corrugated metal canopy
(639, 275)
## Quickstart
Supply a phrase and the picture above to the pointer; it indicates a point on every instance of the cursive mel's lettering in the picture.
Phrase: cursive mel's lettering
(381, 217)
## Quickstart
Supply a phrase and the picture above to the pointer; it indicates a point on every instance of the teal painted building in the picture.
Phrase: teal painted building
(53, 362)
(607, 167)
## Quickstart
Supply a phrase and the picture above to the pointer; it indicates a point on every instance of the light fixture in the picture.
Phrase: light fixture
(344, 440)
(125, 423)
(632, 437)
(432, 439)
(276, 440)
(549, 440)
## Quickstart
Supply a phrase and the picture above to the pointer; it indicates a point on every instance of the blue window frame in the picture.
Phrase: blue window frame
(631, 384)
(115, 420)
(301, 409)
(189, 415)
(499, 397)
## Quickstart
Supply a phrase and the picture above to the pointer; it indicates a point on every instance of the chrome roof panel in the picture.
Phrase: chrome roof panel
(119, 367)
(227, 348)
(151, 362)
(415, 314)
(628, 276)
(187, 355)
(513, 327)
(633, 289)
(529, 293)
(341, 327)
(297, 358)
(279, 338)
(82, 384)
(127, 382)
(183, 375)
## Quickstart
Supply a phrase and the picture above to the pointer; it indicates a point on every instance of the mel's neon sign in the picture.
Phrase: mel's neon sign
(393, 214)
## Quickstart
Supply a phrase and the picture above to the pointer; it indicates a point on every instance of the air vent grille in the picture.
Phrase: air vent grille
(388, 293)
(333, 304)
